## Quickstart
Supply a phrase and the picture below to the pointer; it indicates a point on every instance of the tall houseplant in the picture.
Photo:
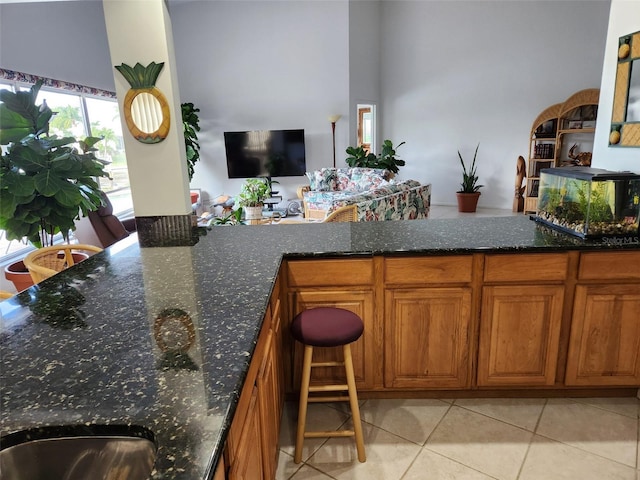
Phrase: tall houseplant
(469, 188)
(45, 181)
(359, 157)
(191, 125)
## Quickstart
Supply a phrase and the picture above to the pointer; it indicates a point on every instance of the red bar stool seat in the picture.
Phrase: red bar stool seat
(328, 327)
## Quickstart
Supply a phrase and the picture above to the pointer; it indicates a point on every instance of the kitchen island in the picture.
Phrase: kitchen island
(90, 345)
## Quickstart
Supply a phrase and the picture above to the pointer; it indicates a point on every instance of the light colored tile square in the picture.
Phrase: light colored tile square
(319, 417)
(286, 467)
(521, 412)
(595, 430)
(413, 419)
(551, 460)
(388, 456)
(440, 468)
(309, 473)
(629, 406)
(482, 443)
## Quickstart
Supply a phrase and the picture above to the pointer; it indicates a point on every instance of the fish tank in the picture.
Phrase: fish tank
(589, 202)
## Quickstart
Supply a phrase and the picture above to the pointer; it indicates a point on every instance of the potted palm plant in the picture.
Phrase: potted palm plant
(45, 181)
(470, 189)
(252, 195)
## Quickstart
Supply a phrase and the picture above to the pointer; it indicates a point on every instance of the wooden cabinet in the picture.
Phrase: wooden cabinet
(521, 319)
(342, 283)
(427, 338)
(561, 135)
(428, 322)
(269, 407)
(604, 346)
(244, 450)
(486, 321)
(251, 451)
(519, 335)
(363, 350)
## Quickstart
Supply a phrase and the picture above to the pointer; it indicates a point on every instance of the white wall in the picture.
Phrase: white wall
(624, 18)
(61, 40)
(455, 74)
(256, 65)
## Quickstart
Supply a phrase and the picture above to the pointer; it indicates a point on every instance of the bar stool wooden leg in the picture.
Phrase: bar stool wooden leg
(304, 396)
(353, 403)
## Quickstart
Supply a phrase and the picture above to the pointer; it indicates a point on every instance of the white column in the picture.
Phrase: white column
(140, 31)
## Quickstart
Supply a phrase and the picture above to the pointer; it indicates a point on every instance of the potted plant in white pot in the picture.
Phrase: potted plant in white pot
(252, 195)
(470, 190)
(45, 182)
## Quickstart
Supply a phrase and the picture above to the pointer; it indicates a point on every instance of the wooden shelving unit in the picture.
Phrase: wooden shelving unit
(553, 133)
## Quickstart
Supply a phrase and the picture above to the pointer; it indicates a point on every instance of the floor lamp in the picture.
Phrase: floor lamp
(333, 119)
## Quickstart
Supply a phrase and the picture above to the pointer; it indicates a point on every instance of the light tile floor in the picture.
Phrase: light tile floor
(471, 439)
(445, 211)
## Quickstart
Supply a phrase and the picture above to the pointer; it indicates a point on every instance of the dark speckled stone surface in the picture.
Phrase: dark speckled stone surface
(79, 349)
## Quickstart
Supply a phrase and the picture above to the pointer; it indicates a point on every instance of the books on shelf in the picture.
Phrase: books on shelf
(537, 166)
(544, 150)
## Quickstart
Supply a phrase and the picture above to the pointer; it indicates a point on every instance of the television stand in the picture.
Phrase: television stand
(271, 201)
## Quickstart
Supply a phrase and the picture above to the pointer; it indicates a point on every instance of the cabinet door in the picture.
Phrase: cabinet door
(268, 403)
(427, 338)
(604, 347)
(276, 327)
(245, 459)
(519, 335)
(363, 350)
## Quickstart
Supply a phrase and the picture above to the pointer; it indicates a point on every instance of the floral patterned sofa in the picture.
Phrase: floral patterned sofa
(376, 196)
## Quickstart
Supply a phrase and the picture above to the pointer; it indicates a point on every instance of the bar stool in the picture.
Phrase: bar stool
(328, 327)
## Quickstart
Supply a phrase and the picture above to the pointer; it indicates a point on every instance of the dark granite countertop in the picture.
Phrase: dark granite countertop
(79, 349)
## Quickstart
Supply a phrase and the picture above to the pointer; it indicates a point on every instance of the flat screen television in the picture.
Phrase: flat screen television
(265, 153)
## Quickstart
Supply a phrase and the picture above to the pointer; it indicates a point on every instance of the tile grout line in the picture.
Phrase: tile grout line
(534, 433)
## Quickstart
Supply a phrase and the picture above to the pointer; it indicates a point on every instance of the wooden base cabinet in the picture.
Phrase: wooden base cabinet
(604, 347)
(363, 350)
(251, 450)
(427, 338)
(519, 335)
(244, 447)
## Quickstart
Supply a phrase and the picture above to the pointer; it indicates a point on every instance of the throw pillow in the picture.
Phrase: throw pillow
(323, 180)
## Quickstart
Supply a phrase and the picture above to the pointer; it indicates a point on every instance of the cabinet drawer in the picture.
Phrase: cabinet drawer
(318, 273)
(609, 265)
(525, 267)
(420, 270)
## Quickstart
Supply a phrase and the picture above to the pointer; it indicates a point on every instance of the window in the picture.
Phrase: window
(80, 112)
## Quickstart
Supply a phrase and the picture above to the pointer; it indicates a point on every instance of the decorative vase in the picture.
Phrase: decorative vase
(17, 273)
(467, 202)
(253, 213)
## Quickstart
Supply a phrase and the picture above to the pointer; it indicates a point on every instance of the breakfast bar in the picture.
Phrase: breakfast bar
(165, 338)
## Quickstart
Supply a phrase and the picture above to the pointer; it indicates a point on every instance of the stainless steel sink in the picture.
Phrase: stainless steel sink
(100, 457)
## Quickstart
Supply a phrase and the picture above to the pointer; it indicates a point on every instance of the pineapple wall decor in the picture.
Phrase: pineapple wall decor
(146, 110)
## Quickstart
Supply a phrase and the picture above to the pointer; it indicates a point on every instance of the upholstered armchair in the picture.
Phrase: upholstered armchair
(102, 228)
